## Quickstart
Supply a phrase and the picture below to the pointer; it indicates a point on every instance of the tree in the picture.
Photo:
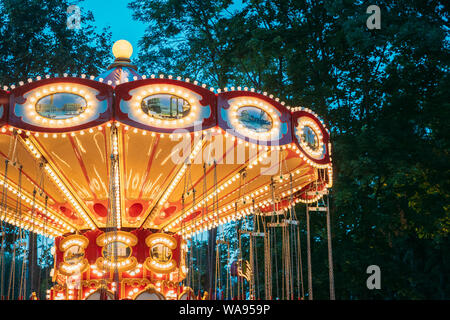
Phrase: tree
(385, 96)
(35, 40)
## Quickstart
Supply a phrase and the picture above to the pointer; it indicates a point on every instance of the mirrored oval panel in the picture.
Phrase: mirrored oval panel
(74, 255)
(165, 106)
(61, 106)
(116, 249)
(254, 119)
(310, 138)
(161, 253)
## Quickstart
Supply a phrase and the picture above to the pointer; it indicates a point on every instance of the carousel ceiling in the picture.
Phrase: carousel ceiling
(186, 158)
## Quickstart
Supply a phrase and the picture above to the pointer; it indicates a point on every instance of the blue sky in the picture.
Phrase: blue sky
(115, 14)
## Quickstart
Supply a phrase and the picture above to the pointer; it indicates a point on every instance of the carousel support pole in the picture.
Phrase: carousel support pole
(308, 245)
(330, 254)
(32, 266)
(211, 262)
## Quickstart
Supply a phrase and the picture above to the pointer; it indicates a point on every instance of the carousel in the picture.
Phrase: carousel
(157, 187)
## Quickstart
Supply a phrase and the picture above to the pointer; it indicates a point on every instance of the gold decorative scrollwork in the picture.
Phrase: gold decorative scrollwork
(161, 259)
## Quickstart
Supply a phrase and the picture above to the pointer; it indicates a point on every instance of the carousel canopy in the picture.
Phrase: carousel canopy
(171, 154)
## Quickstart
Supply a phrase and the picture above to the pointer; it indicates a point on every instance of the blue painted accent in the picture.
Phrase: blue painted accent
(224, 115)
(284, 129)
(206, 112)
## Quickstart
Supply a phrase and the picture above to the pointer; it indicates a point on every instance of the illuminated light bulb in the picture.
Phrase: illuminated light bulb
(122, 49)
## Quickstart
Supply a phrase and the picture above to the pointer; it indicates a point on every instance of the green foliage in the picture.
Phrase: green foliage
(385, 96)
(35, 40)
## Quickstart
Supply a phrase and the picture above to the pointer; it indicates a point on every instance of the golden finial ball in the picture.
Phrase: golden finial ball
(122, 49)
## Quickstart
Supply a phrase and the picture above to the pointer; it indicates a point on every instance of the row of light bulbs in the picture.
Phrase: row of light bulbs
(72, 242)
(116, 180)
(162, 266)
(307, 160)
(120, 238)
(79, 90)
(123, 263)
(307, 122)
(242, 213)
(170, 189)
(220, 188)
(199, 226)
(214, 130)
(165, 241)
(96, 271)
(166, 89)
(263, 191)
(257, 192)
(49, 212)
(203, 201)
(233, 217)
(71, 268)
(60, 185)
(68, 195)
(235, 105)
(153, 76)
(187, 80)
(178, 135)
(31, 224)
(135, 271)
(223, 211)
(206, 132)
(174, 183)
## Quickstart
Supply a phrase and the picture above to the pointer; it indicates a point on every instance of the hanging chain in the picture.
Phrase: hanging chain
(330, 249)
(308, 250)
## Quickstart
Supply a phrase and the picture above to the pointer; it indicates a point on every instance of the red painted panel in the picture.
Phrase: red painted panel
(100, 210)
(208, 99)
(285, 117)
(136, 210)
(326, 137)
(4, 104)
(17, 96)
